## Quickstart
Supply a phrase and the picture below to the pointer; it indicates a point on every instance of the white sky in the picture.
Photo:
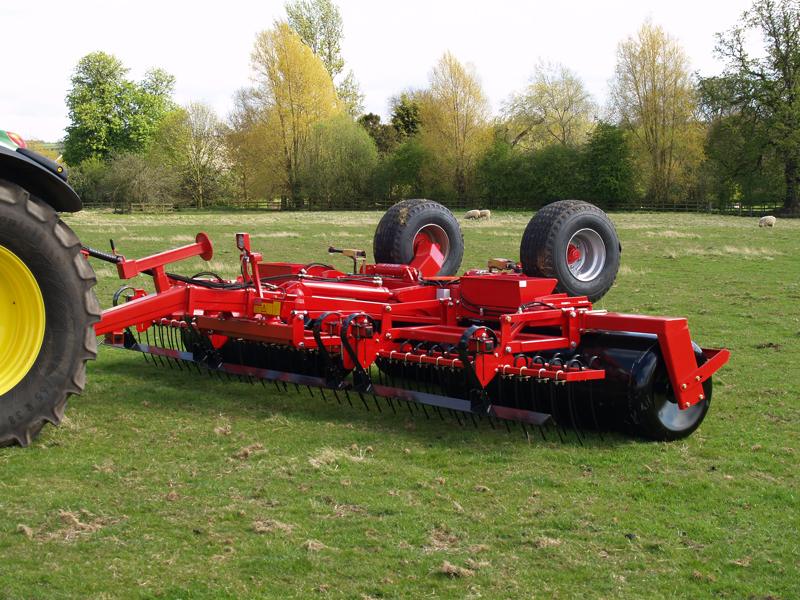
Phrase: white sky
(389, 45)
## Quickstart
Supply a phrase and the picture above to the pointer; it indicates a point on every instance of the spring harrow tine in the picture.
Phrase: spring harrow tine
(572, 416)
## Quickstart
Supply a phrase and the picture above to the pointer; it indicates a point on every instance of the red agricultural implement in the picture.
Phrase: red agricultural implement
(515, 343)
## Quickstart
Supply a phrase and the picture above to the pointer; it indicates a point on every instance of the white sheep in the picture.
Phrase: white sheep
(767, 221)
(486, 214)
(473, 214)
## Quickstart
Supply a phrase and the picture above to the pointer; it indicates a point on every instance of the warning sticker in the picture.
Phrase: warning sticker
(267, 308)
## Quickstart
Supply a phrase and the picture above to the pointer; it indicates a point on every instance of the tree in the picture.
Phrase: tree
(555, 108)
(190, 140)
(385, 136)
(108, 112)
(607, 165)
(339, 162)
(292, 92)
(455, 114)
(763, 94)
(655, 98)
(405, 112)
(320, 26)
(503, 172)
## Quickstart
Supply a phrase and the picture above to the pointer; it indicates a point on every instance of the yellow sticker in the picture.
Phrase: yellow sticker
(267, 308)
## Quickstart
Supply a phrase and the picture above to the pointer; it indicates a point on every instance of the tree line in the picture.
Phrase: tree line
(297, 136)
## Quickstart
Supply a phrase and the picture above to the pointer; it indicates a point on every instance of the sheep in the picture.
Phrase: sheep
(473, 214)
(767, 221)
(486, 214)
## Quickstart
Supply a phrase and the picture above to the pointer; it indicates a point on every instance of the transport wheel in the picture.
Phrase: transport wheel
(407, 223)
(47, 312)
(575, 243)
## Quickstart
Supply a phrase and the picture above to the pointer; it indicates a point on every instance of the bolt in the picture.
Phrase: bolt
(302, 344)
(508, 319)
(508, 349)
(496, 355)
(683, 387)
(572, 314)
(572, 344)
(697, 378)
(702, 397)
(388, 308)
(388, 336)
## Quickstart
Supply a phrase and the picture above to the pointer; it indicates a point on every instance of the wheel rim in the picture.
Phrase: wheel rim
(22, 320)
(586, 255)
(434, 234)
(669, 415)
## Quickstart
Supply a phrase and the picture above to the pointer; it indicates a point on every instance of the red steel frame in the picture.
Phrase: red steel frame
(405, 307)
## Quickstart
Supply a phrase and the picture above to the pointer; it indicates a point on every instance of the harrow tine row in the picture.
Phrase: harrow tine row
(419, 385)
(415, 400)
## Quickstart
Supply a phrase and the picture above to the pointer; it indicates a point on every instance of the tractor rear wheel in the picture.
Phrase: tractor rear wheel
(574, 242)
(407, 223)
(47, 312)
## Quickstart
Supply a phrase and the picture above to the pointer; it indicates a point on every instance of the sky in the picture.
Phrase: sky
(390, 46)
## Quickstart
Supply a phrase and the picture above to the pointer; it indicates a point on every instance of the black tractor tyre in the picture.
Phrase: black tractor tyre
(574, 242)
(406, 222)
(48, 311)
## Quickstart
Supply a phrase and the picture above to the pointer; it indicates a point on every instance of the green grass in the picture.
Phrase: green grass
(159, 484)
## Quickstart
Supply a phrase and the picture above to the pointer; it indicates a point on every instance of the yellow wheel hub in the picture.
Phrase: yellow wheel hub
(22, 320)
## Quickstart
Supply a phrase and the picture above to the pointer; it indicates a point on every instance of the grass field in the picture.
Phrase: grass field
(159, 484)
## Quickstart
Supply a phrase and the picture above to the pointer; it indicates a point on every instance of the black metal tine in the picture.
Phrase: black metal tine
(408, 404)
(174, 344)
(322, 393)
(594, 416)
(491, 422)
(139, 339)
(555, 412)
(506, 424)
(390, 403)
(263, 383)
(163, 345)
(459, 418)
(360, 395)
(525, 431)
(147, 341)
(309, 391)
(335, 393)
(285, 387)
(572, 415)
(425, 410)
(297, 387)
(441, 416)
(347, 395)
(277, 387)
(474, 422)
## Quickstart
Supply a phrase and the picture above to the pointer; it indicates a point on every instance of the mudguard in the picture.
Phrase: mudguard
(40, 178)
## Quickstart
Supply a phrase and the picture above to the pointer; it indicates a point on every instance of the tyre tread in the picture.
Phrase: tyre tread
(53, 411)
